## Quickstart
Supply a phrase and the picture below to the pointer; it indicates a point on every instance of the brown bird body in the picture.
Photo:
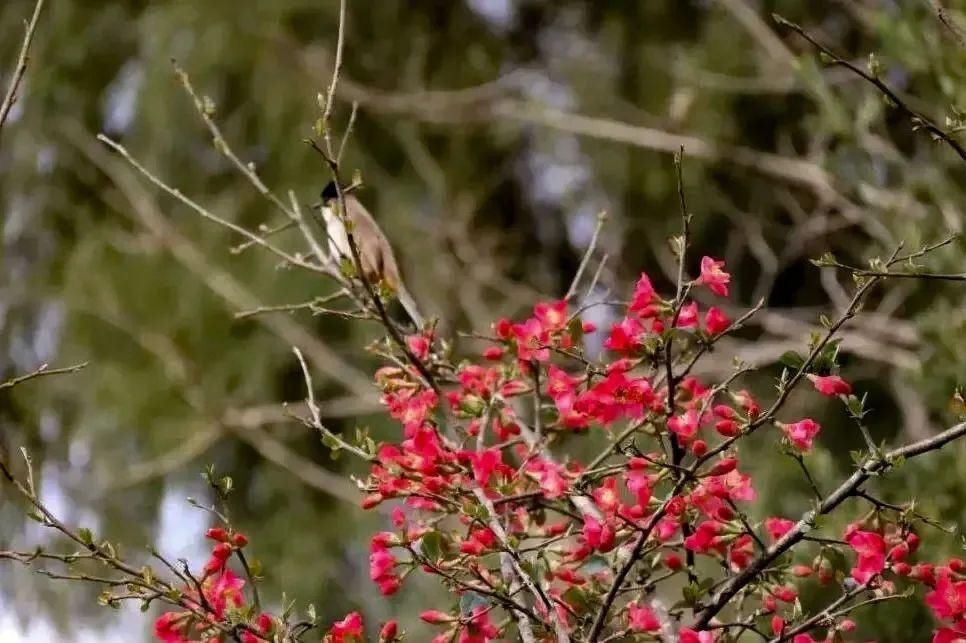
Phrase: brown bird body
(376, 258)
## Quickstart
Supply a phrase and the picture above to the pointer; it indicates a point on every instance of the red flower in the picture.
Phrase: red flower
(801, 433)
(532, 340)
(744, 399)
(217, 533)
(503, 328)
(715, 322)
(778, 527)
(713, 276)
(688, 316)
(625, 336)
(643, 297)
(784, 593)
(347, 630)
(223, 591)
(168, 628)
(638, 483)
(598, 535)
(685, 426)
(607, 497)
(484, 464)
(614, 396)
(871, 550)
(550, 478)
(705, 538)
(950, 635)
(642, 619)
(418, 345)
(381, 564)
(830, 385)
(552, 316)
(687, 635)
(948, 598)
(388, 631)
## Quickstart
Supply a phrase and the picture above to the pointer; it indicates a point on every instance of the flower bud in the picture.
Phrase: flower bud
(217, 533)
(435, 617)
(221, 551)
(388, 632)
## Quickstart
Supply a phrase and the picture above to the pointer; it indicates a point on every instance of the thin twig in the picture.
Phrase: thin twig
(21, 68)
(918, 119)
(177, 194)
(42, 371)
(872, 466)
(601, 219)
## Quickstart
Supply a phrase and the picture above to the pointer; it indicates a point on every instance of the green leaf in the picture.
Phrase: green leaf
(331, 441)
(576, 329)
(837, 559)
(792, 360)
(85, 535)
(431, 545)
(576, 597)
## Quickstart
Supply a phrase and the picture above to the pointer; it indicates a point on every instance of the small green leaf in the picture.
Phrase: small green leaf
(431, 545)
(792, 360)
(85, 535)
(576, 329)
(331, 441)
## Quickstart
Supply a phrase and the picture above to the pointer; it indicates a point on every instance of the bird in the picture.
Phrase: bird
(376, 258)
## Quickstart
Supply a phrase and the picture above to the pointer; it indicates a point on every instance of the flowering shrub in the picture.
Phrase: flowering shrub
(536, 544)
(539, 546)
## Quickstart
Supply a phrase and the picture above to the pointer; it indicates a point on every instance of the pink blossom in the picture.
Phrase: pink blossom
(802, 433)
(778, 527)
(643, 298)
(642, 619)
(715, 322)
(713, 276)
(871, 550)
(830, 385)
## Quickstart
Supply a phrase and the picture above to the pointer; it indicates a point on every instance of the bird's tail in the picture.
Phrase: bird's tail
(409, 305)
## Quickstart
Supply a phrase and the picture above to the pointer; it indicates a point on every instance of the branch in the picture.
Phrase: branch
(21, 68)
(917, 118)
(871, 466)
(42, 371)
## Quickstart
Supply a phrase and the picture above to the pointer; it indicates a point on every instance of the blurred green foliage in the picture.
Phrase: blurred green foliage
(488, 190)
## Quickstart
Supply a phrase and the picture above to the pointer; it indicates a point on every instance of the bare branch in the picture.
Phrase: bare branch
(21, 68)
(41, 371)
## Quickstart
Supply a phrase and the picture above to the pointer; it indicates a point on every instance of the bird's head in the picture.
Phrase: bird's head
(329, 193)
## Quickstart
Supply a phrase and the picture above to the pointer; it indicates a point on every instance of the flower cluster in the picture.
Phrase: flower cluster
(485, 493)
(474, 479)
(215, 610)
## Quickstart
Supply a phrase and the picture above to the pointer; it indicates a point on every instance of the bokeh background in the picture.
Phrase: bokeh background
(489, 135)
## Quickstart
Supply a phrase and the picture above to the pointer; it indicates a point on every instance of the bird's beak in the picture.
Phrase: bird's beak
(317, 205)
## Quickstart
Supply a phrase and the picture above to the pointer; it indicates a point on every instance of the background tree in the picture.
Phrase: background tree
(489, 134)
